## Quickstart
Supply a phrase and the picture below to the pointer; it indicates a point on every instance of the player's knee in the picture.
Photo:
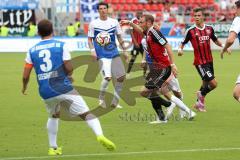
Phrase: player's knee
(213, 84)
(236, 94)
(56, 115)
(108, 78)
(144, 93)
(121, 79)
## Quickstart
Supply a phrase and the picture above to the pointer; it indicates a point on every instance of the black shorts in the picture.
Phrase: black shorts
(206, 71)
(156, 77)
(135, 51)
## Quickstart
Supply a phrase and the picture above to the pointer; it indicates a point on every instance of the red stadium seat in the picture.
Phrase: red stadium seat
(121, 1)
(126, 7)
(114, 1)
(135, 1)
(140, 7)
(147, 7)
(134, 7)
(153, 7)
(160, 7)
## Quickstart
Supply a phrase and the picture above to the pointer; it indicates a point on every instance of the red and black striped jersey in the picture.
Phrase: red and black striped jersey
(200, 40)
(156, 49)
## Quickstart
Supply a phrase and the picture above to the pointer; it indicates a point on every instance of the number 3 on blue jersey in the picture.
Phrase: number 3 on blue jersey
(46, 55)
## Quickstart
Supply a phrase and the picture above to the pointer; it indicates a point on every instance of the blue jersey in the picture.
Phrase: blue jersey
(113, 28)
(48, 58)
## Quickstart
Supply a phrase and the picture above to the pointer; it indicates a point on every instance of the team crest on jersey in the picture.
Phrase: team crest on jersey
(208, 31)
(196, 34)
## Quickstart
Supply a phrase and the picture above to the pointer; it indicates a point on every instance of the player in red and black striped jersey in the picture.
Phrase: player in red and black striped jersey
(200, 35)
(161, 68)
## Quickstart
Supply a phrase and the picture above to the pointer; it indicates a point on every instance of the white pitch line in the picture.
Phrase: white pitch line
(123, 153)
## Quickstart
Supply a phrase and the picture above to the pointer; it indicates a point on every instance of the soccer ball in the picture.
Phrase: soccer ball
(103, 38)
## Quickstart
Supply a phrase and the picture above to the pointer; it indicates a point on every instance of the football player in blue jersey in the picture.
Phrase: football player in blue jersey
(107, 55)
(51, 61)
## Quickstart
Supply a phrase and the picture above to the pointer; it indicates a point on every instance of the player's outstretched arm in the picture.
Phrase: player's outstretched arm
(230, 40)
(68, 69)
(25, 78)
(134, 26)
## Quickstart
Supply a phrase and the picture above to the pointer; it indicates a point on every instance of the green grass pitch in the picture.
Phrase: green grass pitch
(213, 135)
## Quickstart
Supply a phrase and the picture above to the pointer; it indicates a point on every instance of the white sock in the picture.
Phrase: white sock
(52, 127)
(118, 89)
(103, 88)
(180, 104)
(94, 124)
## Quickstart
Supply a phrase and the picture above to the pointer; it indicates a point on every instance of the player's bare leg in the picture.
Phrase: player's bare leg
(205, 89)
(118, 88)
(103, 88)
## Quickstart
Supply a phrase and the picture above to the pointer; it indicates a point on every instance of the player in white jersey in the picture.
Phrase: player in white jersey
(234, 33)
(51, 61)
(107, 56)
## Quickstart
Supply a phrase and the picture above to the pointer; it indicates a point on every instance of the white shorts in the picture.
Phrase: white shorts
(238, 80)
(174, 85)
(112, 67)
(71, 100)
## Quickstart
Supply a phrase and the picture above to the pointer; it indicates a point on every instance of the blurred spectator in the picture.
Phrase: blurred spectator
(71, 32)
(4, 30)
(32, 30)
(77, 26)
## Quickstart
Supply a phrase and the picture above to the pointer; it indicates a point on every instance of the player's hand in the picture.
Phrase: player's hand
(180, 52)
(124, 22)
(228, 52)
(156, 26)
(143, 63)
(174, 70)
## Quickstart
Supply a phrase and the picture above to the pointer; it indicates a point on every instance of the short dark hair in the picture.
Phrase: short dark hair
(237, 3)
(198, 9)
(148, 17)
(102, 4)
(45, 28)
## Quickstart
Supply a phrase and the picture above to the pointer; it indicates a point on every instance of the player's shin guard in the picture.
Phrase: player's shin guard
(94, 124)
(180, 104)
(103, 88)
(205, 90)
(156, 104)
(52, 128)
(118, 89)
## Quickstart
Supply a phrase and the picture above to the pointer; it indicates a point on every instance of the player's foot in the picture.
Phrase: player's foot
(170, 110)
(119, 106)
(191, 115)
(200, 98)
(55, 151)
(128, 76)
(106, 143)
(182, 114)
(199, 107)
(157, 121)
(102, 103)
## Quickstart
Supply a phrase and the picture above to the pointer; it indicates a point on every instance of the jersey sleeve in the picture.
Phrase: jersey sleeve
(66, 53)
(186, 37)
(91, 30)
(28, 58)
(158, 37)
(235, 27)
(213, 35)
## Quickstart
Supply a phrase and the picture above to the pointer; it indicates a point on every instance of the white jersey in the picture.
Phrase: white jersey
(235, 27)
(113, 28)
